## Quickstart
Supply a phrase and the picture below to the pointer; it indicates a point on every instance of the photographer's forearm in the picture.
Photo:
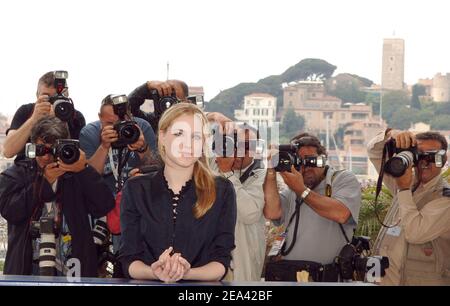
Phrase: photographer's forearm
(97, 161)
(328, 207)
(272, 205)
(17, 139)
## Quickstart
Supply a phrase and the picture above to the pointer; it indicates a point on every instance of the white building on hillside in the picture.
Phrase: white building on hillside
(259, 109)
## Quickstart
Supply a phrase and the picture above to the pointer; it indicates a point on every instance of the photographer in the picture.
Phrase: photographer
(325, 205)
(416, 239)
(28, 114)
(57, 187)
(114, 145)
(99, 138)
(171, 92)
(247, 176)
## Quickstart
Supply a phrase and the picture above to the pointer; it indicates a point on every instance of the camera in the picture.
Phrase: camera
(45, 229)
(63, 106)
(223, 145)
(197, 100)
(161, 104)
(127, 131)
(287, 157)
(401, 159)
(100, 232)
(352, 264)
(68, 150)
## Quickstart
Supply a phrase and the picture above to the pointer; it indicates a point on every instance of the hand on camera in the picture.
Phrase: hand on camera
(271, 153)
(294, 180)
(76, 167)
(405, 181)
(108, 136)
(139, 144)
(220, 119)
(403, 139)
(42, 108)
(52, 172)
(134, 172)
(163, 88)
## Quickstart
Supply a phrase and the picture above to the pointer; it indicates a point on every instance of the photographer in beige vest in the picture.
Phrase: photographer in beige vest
(417, 236)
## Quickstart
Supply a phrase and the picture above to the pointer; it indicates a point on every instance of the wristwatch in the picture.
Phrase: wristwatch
(305, 193)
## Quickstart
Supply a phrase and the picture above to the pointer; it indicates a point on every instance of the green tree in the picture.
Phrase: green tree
(292, 124)
(371, 215)
(347, 87)
(440, 122)
(417, 91)
(373, 98)
(231, 99)
(442, 108)
(309, 69)
(393, 101)
(402, 118)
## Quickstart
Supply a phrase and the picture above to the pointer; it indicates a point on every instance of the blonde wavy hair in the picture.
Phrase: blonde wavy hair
(205, 187)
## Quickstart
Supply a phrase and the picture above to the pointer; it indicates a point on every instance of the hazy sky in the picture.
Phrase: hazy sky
(114, 46)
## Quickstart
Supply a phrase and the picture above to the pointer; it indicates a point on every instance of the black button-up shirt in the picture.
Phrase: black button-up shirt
(148, 227)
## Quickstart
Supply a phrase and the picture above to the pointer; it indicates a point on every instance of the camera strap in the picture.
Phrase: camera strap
(117, 171)
(380, 185)
(296, 214)
(249, 172)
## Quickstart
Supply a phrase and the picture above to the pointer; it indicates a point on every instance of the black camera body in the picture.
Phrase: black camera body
(127, 131)
(161, 104)
(400, 159)
(63, 106)
(288, 157)
(68, 150)
(352, 264)
(224, 145)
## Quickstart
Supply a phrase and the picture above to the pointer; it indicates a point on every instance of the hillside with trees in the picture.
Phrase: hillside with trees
(308, 69)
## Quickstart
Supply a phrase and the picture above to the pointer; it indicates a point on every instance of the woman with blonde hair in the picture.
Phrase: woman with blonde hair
(178, 223)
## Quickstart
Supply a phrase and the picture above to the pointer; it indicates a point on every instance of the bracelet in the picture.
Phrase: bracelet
(305, 193)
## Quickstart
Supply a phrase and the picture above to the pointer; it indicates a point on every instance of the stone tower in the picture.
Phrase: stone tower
(393, 64)
(441, 88)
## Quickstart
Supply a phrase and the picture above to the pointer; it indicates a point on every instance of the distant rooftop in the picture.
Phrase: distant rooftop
(258, 94)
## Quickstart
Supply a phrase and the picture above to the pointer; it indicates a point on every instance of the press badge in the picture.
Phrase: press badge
(277, 245)
(394, 231)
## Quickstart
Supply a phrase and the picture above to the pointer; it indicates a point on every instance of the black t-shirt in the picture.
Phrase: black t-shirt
(24, 113)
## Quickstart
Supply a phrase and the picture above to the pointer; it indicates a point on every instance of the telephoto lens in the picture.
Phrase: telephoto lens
(47, 247)
(397, 165)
